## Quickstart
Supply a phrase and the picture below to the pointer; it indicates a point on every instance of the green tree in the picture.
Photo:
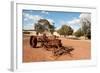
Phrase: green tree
(65, 30)
(51, 28)
(39, 28)
(79, 33)
(88, 34)
(86, 27)
(42, 25)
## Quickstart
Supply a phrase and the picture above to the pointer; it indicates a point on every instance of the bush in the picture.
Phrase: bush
(65, 30)
(79, 33)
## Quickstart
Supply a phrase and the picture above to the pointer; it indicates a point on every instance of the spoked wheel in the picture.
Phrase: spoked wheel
(33, 41)
(34, 44)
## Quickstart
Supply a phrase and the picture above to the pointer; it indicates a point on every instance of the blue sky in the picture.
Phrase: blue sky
(30, 17)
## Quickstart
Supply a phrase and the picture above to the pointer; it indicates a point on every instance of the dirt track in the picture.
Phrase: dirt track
(82, 50)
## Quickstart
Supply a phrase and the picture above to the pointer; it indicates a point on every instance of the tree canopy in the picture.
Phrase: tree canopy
(43, 25)
(65, 30)
(86, 27)
(79, 33)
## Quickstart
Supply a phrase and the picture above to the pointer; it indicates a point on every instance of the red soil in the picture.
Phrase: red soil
(82, 50)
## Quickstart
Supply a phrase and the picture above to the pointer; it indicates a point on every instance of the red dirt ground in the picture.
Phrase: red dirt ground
(82, 50)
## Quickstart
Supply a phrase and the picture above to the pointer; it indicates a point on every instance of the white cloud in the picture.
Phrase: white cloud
(25, 14)
(44, 12)
(74, 21)
(78, 20)
(28, 27)
(62, 22)
(31, 19)
(35, 18)
(25, 19)
(71, 22)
